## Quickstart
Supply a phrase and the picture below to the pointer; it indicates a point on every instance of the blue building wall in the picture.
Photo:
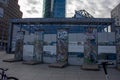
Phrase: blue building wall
(54, 8)
(47, 8)
(59, 8)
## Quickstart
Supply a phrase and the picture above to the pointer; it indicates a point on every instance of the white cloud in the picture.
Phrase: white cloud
(31, 8)
(97, 8)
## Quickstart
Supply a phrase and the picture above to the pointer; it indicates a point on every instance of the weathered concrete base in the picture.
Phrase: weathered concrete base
(32, 62)
(58, 65)
(12, 60)
(90, 67)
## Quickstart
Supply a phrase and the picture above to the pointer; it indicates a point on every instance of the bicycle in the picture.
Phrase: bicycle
(3, 75)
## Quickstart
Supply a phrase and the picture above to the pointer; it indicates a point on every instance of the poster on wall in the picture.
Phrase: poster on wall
(62, 45)
(118, 46)
(38, 45)
(90, 46)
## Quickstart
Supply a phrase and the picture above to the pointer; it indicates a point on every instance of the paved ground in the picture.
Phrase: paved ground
(43, 72)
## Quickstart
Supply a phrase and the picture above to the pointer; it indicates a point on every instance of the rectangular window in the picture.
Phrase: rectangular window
(117, 23)
(1, 12)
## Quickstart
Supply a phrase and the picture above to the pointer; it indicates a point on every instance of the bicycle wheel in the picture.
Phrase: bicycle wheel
(12, 78)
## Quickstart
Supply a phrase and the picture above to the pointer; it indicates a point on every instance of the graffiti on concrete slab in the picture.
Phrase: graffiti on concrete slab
(19, 45)
(62, 45)
(90, 47)
(38, 45)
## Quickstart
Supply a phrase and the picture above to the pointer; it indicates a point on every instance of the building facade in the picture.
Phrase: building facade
(9, 9)
(54, 8)
(115, 13)
(47, 8)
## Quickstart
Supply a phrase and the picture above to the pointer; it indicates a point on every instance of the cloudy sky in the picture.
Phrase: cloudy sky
(98, 8)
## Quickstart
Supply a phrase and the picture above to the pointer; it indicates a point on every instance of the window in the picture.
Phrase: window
(117, 19)
(117, 23)
(1, 12)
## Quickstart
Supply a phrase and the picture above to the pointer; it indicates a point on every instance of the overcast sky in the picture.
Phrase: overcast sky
(97, 8)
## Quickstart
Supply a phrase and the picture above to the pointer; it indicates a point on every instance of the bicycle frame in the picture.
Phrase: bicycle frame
(3, 75)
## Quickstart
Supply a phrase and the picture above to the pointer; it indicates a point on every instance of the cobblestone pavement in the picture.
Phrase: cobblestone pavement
(43, 72)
